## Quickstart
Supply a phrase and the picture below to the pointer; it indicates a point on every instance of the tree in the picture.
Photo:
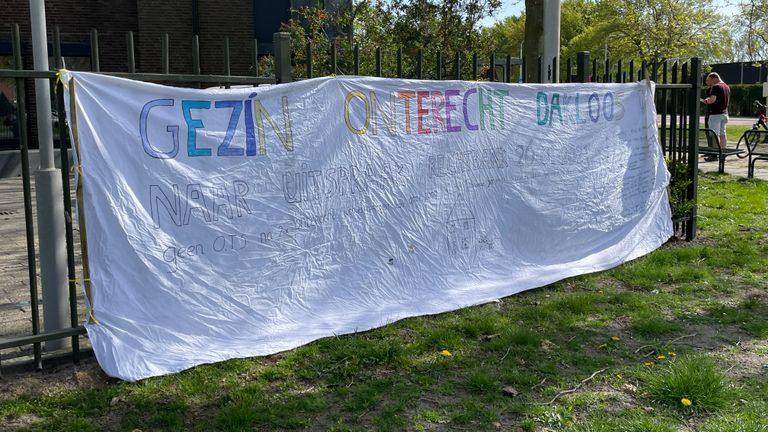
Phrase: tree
(426, 26)
(752, 31)
(575, 16)
(533, 45)
(661, 29)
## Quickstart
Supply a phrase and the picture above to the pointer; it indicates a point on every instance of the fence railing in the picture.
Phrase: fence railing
(676, 101)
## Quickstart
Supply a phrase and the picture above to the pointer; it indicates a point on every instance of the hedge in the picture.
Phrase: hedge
(742, 97)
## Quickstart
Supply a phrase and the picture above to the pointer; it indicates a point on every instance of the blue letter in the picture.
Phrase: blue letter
(236, 106)
(192, 125)
(579, 120)
(541, 96)
(174, 130)
(595, 117)
(605, 110)
(555, 104)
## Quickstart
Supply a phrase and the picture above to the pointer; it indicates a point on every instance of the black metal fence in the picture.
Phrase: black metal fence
(676, 101)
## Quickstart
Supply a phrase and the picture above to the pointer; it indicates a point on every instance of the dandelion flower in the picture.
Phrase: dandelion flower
(603, 346)
(671, 354)
(648, 363)
(661, 357)
(615, 338)
(445, 353)
(686, 402)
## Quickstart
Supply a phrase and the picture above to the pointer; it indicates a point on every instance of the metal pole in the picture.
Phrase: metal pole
(50, 199)
(693, 147)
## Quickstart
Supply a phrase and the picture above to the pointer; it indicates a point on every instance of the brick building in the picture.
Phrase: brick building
(242, 21)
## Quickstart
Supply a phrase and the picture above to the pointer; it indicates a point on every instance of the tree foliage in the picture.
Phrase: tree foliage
(631, 30)
(752, 30)
(663, 29)
(426, 26)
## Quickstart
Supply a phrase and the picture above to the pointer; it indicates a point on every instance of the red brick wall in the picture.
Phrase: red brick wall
(76, 18)
(155, 18)
(233, 19)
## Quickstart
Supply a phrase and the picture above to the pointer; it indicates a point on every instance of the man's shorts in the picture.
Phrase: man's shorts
(717, 123)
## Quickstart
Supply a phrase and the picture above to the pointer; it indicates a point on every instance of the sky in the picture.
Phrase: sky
(514, 7)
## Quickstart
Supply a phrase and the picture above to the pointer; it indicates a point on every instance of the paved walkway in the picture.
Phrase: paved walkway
(736, 167)
(15, 304)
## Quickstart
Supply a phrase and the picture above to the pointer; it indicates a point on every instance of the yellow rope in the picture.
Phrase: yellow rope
(59, 74)
(77, 280)
(93, 318)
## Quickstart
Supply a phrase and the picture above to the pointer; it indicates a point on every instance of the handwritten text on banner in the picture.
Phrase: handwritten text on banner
(247, 221)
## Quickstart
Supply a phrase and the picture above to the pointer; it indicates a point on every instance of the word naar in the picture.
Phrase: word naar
(209, 203)
(579, 108)
(195, 112)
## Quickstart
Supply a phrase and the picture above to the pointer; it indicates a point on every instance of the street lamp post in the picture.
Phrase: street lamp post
(605, 50)
(50, 199)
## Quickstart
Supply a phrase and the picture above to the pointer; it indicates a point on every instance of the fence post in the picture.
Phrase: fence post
(309, 58)
(196, 55)
(539, 69)
(508, 70)
(131, 52)
(21, 121)
(227, 66)
(255, 55)
(457, 59)
(282, 45)
(399, 62)
(582, 62)
(165, 56)
(356, 60)
(95, 67)
(492, 69)
(71, 272)
(334, 65)
(693, 141)
(419, 64)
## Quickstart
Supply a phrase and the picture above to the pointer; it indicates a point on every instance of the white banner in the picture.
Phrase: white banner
(244, 222)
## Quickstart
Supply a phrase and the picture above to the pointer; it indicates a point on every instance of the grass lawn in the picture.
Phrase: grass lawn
(674, 341)
(734, 132)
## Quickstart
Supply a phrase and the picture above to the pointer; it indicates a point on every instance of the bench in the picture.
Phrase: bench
(711, 147)
(756, 141)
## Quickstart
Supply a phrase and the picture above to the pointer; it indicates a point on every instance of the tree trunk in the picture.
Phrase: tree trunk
(533, 46)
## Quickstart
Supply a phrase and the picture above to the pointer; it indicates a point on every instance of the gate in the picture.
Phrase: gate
(677, 99)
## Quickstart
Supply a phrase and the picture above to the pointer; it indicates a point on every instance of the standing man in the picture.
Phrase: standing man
(717, 100)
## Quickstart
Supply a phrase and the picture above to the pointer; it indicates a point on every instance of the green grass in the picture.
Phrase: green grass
(734, 132)
(702, 305)
(696, 378)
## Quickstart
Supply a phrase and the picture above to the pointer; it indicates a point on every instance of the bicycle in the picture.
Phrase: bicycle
(762, 119)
